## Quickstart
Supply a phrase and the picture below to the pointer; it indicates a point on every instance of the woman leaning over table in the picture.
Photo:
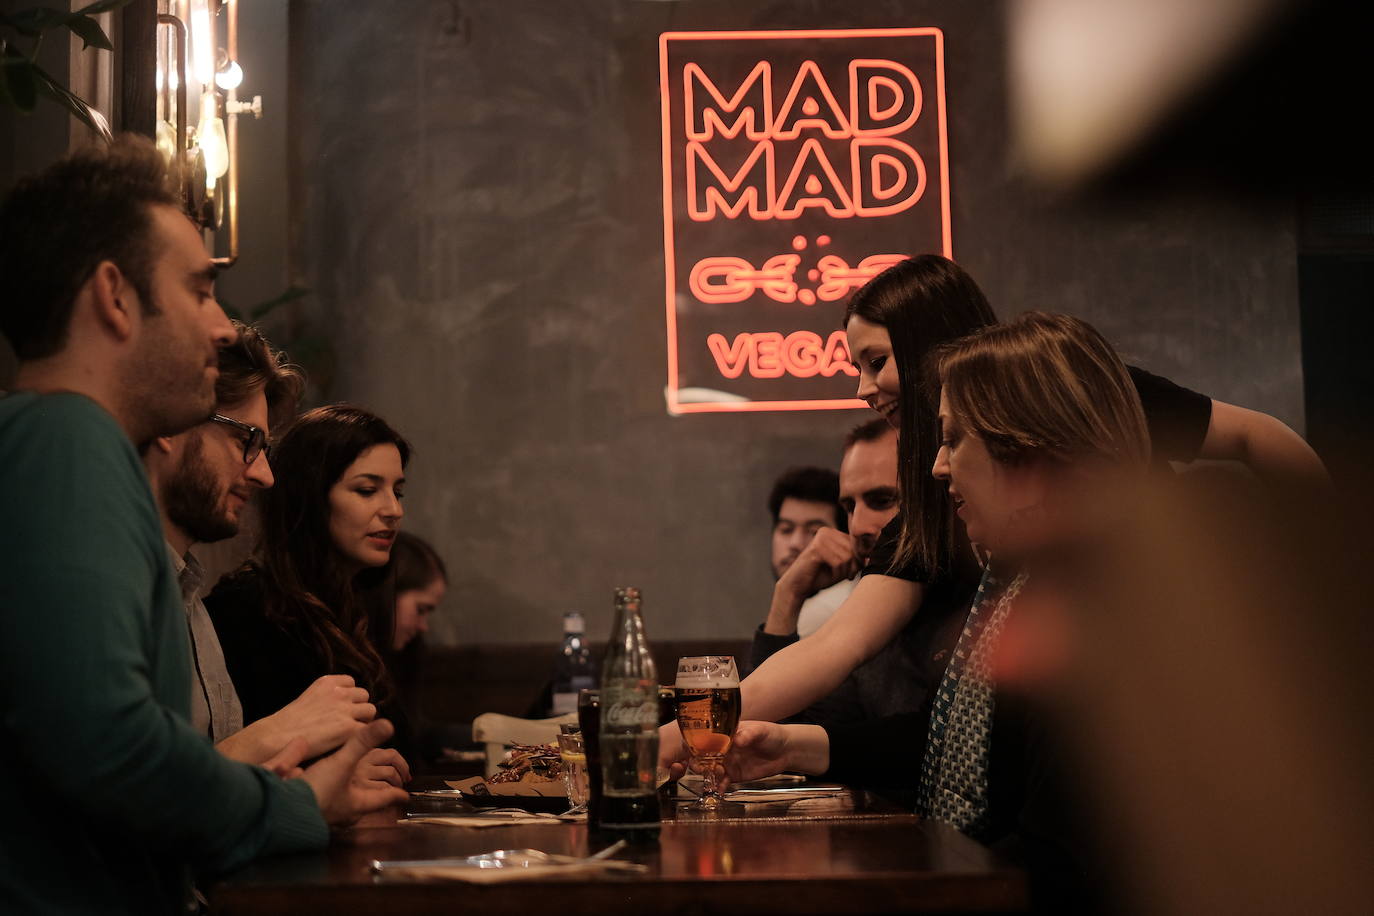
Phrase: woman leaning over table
(918, 569)
(317, 596)
(1039, 421)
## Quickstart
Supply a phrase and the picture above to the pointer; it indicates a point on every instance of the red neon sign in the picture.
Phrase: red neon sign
(796, 166)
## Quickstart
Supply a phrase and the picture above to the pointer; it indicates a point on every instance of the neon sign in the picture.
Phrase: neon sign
(796, 166)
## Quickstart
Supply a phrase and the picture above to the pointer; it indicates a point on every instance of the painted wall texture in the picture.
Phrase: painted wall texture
(476, 207)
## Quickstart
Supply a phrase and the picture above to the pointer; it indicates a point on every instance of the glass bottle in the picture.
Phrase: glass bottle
(629, 726)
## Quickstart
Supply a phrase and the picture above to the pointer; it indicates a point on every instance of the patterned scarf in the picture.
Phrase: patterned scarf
(954, 773)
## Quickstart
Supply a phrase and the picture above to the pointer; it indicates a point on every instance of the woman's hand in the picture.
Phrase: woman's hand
(762, 749)
(382, 766)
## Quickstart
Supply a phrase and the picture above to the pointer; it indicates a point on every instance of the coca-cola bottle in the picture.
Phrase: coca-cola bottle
(629, 726)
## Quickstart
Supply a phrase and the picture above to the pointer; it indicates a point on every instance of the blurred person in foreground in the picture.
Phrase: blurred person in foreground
(316, 598)
(918, 565)
(1212, 657)
(109, 305)
(1038, 419)
(203, 479)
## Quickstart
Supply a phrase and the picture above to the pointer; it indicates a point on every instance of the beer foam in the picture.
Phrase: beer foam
(707, 672)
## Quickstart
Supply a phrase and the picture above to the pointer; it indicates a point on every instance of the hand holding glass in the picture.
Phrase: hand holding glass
(708, 706)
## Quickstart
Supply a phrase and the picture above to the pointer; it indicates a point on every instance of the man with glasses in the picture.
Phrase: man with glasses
(117, 803)
(203, 480)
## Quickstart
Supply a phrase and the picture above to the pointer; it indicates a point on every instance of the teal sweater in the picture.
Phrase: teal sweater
(112, 800)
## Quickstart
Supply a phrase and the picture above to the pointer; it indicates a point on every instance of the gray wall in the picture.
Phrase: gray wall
(261, 273)
(476, 208)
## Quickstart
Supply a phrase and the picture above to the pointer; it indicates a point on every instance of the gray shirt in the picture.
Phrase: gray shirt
(215, 709)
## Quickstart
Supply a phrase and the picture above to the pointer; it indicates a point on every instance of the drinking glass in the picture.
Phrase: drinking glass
(574, 757)
(708, 707)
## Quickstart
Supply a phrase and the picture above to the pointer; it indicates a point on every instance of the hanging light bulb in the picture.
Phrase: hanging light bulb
(202, 42)
(211, 140)
(229, 75)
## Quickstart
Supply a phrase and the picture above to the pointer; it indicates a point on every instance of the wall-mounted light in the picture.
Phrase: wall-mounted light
(202, 41)
(211, 139)
(229, 75)
(197, 50)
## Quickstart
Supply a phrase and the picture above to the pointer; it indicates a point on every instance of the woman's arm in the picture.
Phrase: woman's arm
(800, 674)
(1262, 443)
(804, 672)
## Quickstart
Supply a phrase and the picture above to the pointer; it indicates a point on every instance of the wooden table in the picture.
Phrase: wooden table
(853, 854)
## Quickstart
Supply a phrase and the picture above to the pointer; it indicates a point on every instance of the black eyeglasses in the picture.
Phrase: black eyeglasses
(254, 443)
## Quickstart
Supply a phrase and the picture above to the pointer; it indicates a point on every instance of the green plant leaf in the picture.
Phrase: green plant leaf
(73, 103)
(34, 20)
(90, 32)
(102, 6)
(20, 77)
(291, 294)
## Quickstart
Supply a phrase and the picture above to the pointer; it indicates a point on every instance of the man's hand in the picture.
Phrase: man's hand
(762, 749)
(325, 715)
(828, 559)
(382, 766)
(287, 763)
(341, 795)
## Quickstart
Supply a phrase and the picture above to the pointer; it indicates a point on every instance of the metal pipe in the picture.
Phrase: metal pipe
(180, 28)
(231, 18)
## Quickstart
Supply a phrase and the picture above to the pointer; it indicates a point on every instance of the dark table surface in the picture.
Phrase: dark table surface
(850, 854)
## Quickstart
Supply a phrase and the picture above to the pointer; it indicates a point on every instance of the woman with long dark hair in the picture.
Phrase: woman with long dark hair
(317, 597)
(893, 323)
(917, 305)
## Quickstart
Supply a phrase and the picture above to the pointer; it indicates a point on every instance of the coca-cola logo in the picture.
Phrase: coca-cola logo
(626, 714)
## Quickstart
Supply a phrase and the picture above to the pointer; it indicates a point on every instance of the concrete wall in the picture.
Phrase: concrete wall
(476, 208)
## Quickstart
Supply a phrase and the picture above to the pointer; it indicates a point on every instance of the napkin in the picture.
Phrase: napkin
(523, 818)
(499, 875)
(690, 787)
(776, 795)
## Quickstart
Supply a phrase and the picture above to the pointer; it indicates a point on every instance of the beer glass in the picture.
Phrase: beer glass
(708, 706)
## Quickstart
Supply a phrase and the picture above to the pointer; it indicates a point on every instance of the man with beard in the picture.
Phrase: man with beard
(203, 479)
(107, 297)
(821, 562)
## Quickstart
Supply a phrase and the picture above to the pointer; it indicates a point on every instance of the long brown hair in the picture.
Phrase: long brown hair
(922, 302)
(309, 589)
(1045, 385)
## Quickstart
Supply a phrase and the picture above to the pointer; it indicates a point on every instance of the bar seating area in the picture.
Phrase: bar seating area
(686, 457)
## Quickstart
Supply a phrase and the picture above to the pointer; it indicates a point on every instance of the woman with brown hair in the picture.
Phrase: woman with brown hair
(317, 598)
(1038, 419)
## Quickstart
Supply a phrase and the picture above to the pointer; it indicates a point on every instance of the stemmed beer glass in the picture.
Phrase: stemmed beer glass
(708, 707)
